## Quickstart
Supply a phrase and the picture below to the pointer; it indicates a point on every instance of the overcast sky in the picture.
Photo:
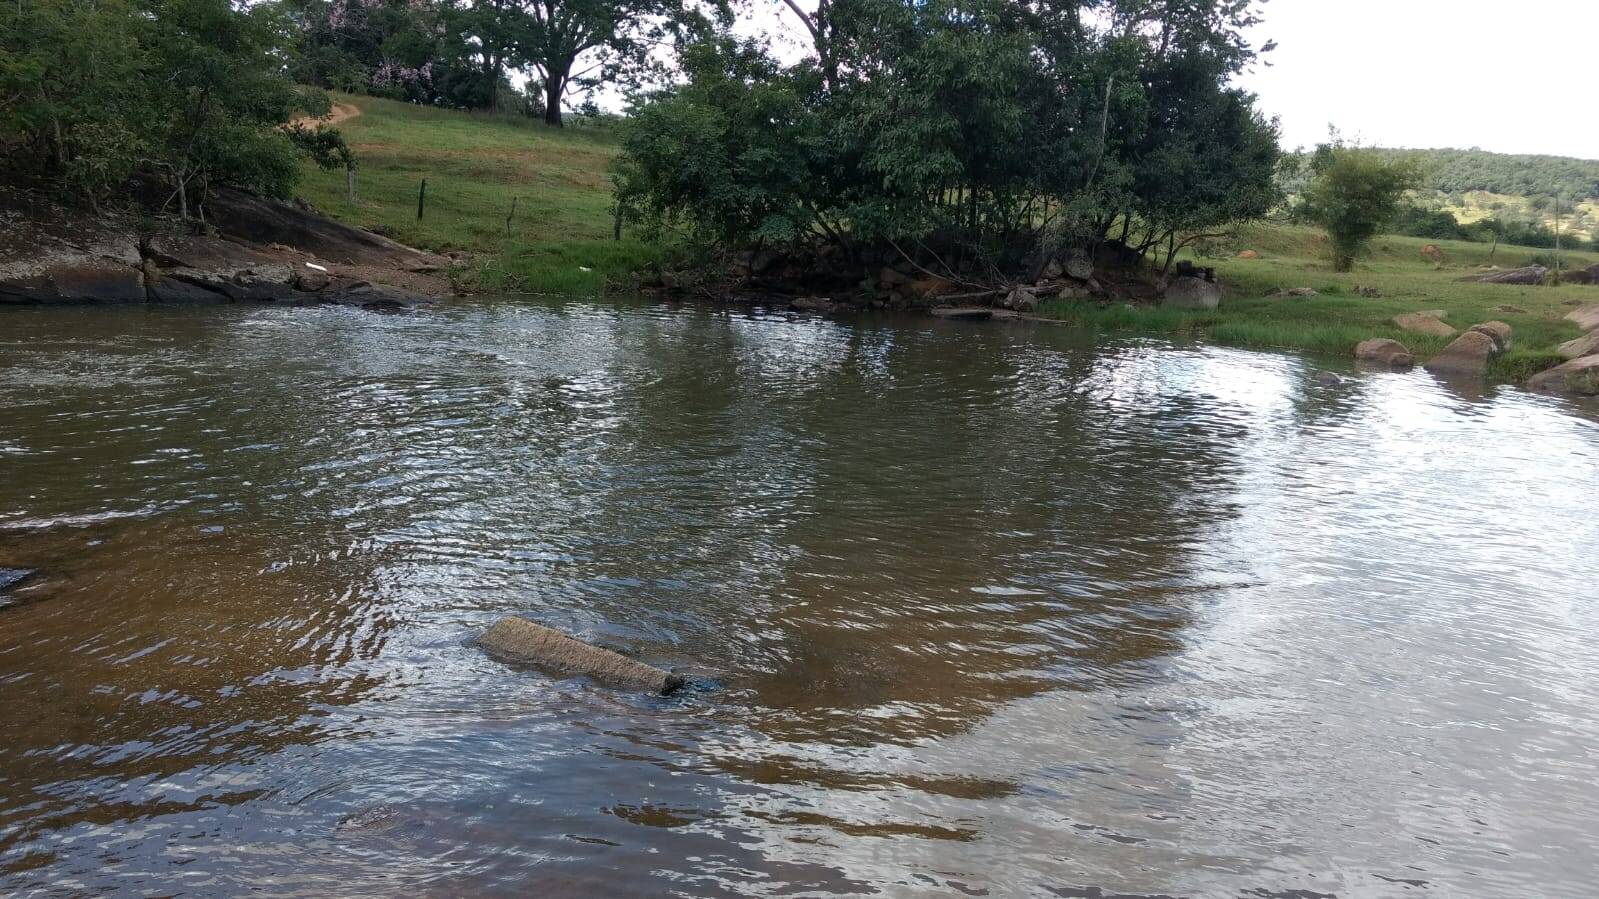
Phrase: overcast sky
(1513, 77)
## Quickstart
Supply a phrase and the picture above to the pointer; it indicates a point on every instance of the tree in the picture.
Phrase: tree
(1354, 194)
(973, 138)
(190, 92)
(581, 43)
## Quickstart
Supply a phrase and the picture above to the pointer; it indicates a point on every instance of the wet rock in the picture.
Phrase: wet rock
(520, 640)
(1327, 379)
(10, 577)
(1467, 354)
(1499, 331)
(1383, 351)
(1586, 317)
(1586, 345)
(1192, 293)
(1580, 376)
(965, 313)
(82, 280)
(1423, 323)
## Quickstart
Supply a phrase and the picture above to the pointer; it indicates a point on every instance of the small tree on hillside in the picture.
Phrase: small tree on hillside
(1354, 193)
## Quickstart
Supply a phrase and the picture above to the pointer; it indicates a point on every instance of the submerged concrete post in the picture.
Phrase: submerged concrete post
(520, 640)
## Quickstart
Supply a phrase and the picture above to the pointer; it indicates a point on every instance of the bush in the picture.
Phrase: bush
(1353, 194)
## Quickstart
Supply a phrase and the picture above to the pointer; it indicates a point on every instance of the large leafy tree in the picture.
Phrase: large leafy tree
(968, 134)
(192, 91)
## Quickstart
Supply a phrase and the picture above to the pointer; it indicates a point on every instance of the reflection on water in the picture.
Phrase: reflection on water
(978, 609)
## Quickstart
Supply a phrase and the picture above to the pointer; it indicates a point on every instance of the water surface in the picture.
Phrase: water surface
(971, 608)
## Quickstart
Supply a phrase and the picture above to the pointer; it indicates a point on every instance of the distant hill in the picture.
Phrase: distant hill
(1459, 171)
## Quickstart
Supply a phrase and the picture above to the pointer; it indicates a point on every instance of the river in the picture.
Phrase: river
(968, 608)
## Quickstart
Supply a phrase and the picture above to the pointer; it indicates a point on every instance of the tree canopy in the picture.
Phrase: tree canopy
(994, 131)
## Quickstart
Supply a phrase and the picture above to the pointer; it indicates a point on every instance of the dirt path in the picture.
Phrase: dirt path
(337, 114)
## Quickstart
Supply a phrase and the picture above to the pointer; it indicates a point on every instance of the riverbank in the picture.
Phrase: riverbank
(250, 249)
(559, 238)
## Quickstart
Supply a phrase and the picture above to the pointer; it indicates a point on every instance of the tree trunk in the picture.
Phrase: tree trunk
(554, 86)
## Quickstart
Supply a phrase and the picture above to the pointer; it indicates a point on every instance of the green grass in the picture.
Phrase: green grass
(1339, 317)
(475, 164)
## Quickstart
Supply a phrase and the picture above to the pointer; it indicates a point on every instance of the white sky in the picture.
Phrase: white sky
(1512, 77)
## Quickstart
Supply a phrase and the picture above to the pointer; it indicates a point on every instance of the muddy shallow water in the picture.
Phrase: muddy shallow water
(969, 608)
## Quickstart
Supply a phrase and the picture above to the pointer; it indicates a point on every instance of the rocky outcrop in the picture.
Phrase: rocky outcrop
(1586, 317)
(1423, 323)
(53, 255)
(1586, 345)
(1468, 354)
(1191, 293)
(1384, 352)
(1579, 376)
(519, 640)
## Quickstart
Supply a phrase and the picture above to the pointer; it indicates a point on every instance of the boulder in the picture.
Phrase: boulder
(1586, 317)
(1052, 270)
(1586, 345)
(1192, 293)
(1468, 354)
(1532, 274)
(1499, 331)
(1248, 254)
(1579, 376)
(1022, 299)
(891, 277)
(1327, 379)
(1577, 276)
(1079, 265)
(1383, 351)
(520, 640)
(311, 280)
(1432, 254)
(1422, 323)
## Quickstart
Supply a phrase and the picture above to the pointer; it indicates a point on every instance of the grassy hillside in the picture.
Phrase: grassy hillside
(475, 164)
(560, 240)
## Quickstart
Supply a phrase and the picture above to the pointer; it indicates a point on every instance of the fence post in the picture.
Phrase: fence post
(421, 198)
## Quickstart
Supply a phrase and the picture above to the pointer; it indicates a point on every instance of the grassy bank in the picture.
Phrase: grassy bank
(475, 164)
(560, 241)
(1339, 317)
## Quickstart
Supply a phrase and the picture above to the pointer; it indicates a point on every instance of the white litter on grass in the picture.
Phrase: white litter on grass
(315, 266)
